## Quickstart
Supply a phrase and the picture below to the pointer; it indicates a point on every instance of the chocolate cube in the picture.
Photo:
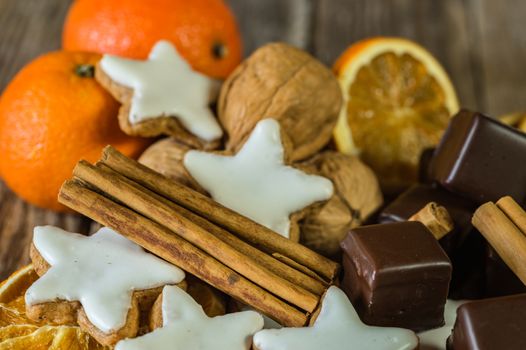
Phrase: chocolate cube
(481, 159)
(396, 275)
(490, 324)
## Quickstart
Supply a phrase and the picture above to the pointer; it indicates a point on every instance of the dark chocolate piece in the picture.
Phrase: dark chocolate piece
(417, 196)
(396, 275)
(469, 259)
(500, 280)
(424, 175)
(481, 158)
(490, 324)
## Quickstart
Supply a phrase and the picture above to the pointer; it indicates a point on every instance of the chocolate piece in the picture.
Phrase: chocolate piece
(468, 260)
(416, 197)
(500, 280)
(396, 275)
(490, 324)
(424, 175)
(481, 158)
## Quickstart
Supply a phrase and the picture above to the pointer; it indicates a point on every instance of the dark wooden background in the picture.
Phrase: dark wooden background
(480, 42)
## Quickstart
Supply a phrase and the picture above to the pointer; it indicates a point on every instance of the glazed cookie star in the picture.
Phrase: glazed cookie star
(186, 326)
(337, 327)
(256, 182)
(162, 86)
(99, 274)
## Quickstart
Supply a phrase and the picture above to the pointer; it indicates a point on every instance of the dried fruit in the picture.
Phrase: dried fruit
(17, 332)
(398, 101)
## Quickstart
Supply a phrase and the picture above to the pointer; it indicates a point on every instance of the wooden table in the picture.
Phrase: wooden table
(480, 42)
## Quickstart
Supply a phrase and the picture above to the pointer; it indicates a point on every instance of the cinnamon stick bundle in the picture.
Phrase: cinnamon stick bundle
(248, 230)
(169, 215)
(191, 230)
(176, 250)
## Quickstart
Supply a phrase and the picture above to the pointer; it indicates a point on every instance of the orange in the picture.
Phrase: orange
(204, 31)
(52, 115)
(398, 101)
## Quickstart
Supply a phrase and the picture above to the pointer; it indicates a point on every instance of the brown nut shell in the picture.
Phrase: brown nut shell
(282, 82)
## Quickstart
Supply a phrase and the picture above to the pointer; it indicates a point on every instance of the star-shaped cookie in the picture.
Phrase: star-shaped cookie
(165, 86)
(337, 327)
(256, 182)
(101, 272)
(185, 326)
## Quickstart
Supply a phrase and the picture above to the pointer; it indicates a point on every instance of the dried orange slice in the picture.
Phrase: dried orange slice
(17, 332)
(398, 101)
(517, 120)
(17, 284)
(50, 337)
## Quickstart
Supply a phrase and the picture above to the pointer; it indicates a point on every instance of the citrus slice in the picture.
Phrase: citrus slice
(17, 284)
(398, 101)
(517, 120)
(18, 332)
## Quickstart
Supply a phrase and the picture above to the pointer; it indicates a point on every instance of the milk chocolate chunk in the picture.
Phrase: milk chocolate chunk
(417, 196)
(396, 275)
(481, 158)
(490, 324)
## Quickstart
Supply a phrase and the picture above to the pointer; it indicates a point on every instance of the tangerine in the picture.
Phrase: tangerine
(53, 114)
(204, 31)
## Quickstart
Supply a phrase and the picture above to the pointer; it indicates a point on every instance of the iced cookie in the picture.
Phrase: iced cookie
(256, 182)
(162, 95)
(100, 282)
(337, 327)
(181, 323)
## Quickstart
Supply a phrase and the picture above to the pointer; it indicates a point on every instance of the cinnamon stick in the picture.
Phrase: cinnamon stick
(169, 215)
(513, 211)
(243, 227)
(504, 236)
(436, 218)
(176, 250)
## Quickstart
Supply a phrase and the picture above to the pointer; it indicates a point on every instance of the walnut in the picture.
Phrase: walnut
(166, 157)
(357, 195)
(287, 84)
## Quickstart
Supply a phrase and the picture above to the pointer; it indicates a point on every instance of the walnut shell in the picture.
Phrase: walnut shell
(287, 84)
(357, 196)
(166, 157)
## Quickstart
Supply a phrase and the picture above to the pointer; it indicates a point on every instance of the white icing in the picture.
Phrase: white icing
(186, 326)
(337, 327)
(100, 272)
(166, 85)
(435, 339)
(256, 182)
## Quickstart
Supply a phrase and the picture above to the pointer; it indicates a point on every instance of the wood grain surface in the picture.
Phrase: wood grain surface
(480, 42)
